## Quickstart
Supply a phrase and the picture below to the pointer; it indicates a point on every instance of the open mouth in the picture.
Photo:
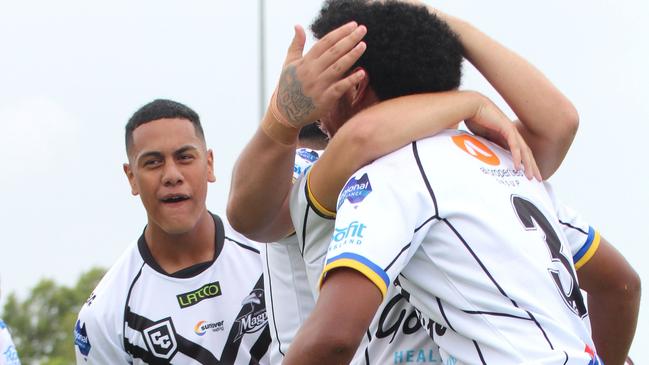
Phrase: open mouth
(174, 198)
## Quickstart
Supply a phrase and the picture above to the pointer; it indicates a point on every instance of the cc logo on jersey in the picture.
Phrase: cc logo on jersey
(161, 338)
(477, 149)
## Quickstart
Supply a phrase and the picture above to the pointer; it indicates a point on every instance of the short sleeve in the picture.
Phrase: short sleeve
(374, 229)
(583, 239)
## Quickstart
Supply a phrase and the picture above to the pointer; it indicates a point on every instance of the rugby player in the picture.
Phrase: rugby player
(189, 290)
(521, 74)
(396, 332)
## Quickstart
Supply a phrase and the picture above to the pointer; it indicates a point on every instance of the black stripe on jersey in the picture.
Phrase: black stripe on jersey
(260, 347)
(479, 353)
(367, 351)
(236, 331)
(306, 218)
(500, 289)
(415, 151)
(185, 346)
(426, 222)
(397, 256)
(139, 353)
(126, 307)
(441, 310)
(312, 206)
(565, 362)
(497, 314)
(573, 227)
(244, 245)
(272, 304)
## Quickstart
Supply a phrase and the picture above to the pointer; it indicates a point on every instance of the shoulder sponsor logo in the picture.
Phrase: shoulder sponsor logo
(355, 190)
(81, 339)
(254, 318)
(308, 155)
(203, 326)
(207, 291)
(477, 149)
(352, 234)
(160, 339)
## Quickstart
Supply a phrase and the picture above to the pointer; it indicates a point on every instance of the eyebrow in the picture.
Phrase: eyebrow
(158, 154)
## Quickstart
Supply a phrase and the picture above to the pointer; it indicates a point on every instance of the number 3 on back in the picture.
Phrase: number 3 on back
(528, 213)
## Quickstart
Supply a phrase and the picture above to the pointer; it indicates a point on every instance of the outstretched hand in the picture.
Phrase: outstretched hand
(491, 123)
(309, 85)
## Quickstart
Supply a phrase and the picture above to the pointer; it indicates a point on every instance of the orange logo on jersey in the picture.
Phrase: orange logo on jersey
(476, 149)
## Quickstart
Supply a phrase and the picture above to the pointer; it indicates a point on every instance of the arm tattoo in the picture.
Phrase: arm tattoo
(290, 97)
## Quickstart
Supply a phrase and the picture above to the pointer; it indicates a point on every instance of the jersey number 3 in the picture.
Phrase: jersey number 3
(528, 213)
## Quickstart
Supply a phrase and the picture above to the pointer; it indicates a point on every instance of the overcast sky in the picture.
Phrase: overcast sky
(73, 71)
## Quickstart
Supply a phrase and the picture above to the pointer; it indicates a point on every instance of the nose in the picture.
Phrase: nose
(171, 175)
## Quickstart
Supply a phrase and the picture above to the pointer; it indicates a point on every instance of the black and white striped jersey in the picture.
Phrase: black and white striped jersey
(211, 313)
(476, 247)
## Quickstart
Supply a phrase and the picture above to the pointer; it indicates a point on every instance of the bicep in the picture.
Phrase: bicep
(607, 271)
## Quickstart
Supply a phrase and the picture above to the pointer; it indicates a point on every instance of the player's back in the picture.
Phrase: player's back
(477, 248)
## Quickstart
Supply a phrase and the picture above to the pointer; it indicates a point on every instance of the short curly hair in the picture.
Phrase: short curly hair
(409, 50)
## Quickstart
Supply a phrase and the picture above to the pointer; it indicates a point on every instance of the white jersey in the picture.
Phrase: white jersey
(8, 353)
(477, 248)
(211, 313)
(288, 301)
(582, 238)
(395, 335)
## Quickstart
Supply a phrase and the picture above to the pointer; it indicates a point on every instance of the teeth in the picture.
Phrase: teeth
(174, 199)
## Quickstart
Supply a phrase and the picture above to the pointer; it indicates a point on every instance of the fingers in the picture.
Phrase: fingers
(296, 48)
(342, 65)
(336, 55)
(331, 39)
(337, 90)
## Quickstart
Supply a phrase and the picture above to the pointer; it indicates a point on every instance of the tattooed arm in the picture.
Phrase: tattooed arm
(308, 86)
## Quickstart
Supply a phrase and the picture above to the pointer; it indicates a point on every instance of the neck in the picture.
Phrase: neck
(175, 252)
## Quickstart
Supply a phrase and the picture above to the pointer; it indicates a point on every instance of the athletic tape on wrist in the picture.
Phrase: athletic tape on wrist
(277, 127)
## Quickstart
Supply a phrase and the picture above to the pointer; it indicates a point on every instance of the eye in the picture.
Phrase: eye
(152, 163)
(186, 158)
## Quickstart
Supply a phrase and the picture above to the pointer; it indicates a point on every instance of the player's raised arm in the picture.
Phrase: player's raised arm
(613, 289)
(547, 119)
(392, 124)
(308, 87)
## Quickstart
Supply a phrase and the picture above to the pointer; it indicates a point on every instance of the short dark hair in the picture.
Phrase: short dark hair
(161, 109)
(409, 50)
(312, 132)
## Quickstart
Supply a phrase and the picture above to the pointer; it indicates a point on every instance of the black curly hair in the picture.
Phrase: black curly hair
(161, 109)
(409, 50)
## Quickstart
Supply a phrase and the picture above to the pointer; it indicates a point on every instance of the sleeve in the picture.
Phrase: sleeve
(98, 333)
(374, 227)
(8, 352)
(583, 239)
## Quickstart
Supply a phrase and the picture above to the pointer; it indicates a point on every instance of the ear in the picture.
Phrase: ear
(360, 90)
(210, 166)
(131, 178)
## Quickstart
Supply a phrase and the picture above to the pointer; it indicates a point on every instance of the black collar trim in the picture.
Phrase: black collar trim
(190, 271)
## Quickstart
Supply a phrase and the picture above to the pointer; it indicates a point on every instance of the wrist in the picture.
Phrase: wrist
(276, 127)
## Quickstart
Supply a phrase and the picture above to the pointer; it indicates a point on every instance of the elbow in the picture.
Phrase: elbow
(334, 347)
(569, 118)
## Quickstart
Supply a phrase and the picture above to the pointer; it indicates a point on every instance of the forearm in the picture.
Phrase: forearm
(261, 182)
(549, 120)
(383, 128)
(613, 320)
